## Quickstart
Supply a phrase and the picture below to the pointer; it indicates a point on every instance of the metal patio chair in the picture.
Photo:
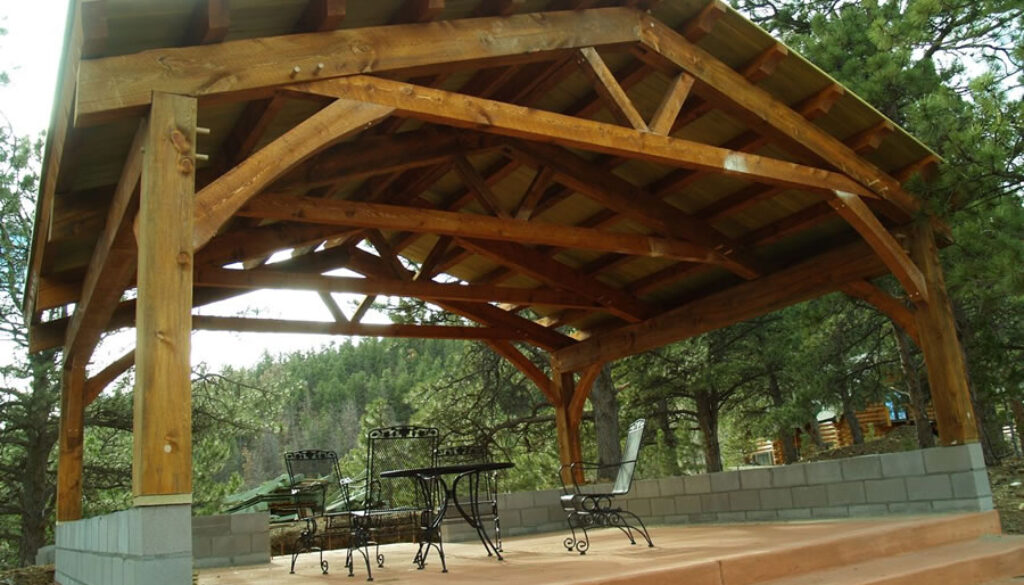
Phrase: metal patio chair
(588, 505)
(391, 503)
(317, 485)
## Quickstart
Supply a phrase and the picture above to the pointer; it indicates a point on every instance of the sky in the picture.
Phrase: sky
(30, 54)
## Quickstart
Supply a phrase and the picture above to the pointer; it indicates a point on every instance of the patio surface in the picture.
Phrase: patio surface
(696, 554)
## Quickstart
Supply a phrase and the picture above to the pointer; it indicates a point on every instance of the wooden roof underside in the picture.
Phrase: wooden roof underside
(677, 170)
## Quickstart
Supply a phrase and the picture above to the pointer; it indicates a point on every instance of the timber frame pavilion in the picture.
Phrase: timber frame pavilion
(595, 178)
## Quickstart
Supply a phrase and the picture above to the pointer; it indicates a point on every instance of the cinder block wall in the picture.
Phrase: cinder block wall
(943, 479)
(151, 545)
(231, 540)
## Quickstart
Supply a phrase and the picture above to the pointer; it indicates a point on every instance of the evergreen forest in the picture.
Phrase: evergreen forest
(949, 71)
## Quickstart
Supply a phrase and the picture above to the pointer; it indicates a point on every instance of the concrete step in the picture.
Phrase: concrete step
(848, 547)
(961, 563)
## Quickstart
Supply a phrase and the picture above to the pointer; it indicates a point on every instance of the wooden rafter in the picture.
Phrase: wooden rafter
(242, 324)
(477, 185)
(665, 116)
(519, 122)
(332, 307)
(635, 203)
(608, 88)
(393, 217)
(270, 62)
(322, 15)
(219, 200)
(274, 279)
(538, 266)
(211, 22)
(725, 83)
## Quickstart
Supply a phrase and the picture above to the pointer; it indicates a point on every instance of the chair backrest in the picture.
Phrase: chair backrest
(455, 454)
(634, 438)
(310, 466)
(400, 447)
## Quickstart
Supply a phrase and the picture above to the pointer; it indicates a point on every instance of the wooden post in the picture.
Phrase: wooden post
(69, 462)
(162, 466)
(566, 425)
(944, 359)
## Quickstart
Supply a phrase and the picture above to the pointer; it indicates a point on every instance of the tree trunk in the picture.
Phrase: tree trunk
(707, 420)
(787, 437)
(35, 482)
(669, 436)
(850, 415)
(605, 404)
(1017, 407)
(918, 405)
(815, 432)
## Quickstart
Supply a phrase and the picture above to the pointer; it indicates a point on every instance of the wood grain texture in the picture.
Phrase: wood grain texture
(70, 441)
(116, 86)
(162, 461)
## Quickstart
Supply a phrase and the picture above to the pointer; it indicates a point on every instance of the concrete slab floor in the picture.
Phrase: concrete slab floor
(696, 551)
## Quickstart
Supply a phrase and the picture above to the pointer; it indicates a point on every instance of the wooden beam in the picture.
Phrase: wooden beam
(728, 85)
(943, 355)
(807, 280)
(259, 242)
(112, 265)
(702, 25)
(116, 86)
(322, 15)
(765, 64)
(211, 22)
(888, 305)
(162, 460)
(70, 441)
(274, 279)
(332, 306)
(95, 385)
(95, 30)
(418, 11)
(443, 107)
(871, 139)
(860, 217)
(376, 155)
(478, 187)
(665, 116)
(534, 192)
(430, 263)
(608, 88)
(570, 449)
(522, 363)
(637, 204)
(242, 324)
(219, 200)
(584, 385)
(249, 128)
(394, 217)
(536, 265)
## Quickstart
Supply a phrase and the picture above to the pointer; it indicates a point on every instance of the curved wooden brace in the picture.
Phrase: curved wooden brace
(522, 363)
(890, 306)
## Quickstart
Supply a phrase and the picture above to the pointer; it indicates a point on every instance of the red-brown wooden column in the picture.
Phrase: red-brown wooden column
(943, 356)
(69, 443)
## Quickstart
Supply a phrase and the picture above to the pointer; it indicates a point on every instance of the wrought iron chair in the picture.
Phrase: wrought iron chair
(316, 482)
(588, 506)
(485, 501)
(392, 502)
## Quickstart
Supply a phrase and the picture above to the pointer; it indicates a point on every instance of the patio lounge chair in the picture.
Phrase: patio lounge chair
(590, 505)
(486, 498)
(391, 503)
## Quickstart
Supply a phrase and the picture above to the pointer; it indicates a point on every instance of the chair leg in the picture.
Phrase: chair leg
(639, 527)
(573, 542)
(497, 532)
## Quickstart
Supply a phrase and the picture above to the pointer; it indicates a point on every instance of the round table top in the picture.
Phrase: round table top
(455, 468)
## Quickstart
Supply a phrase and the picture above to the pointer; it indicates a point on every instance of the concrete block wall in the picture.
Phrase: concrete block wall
(151, 545)
(231, 540)
(943, 479)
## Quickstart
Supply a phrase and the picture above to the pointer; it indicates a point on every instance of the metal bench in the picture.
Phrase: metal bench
(587, 505)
